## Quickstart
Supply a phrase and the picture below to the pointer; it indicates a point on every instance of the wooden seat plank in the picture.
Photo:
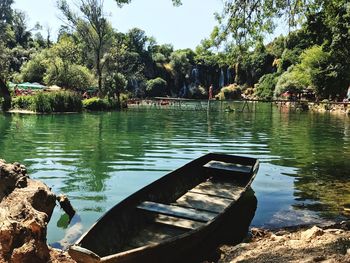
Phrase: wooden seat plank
(177, 211)
(205, 202)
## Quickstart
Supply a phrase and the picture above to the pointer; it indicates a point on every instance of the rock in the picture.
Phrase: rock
(11, 176)
(311, 233)
(66, 205)
(25, 209)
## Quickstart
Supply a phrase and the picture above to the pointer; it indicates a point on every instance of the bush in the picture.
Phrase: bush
(230, 92)
(22, 102)
(41, 103)
(156, 87)
(65, 101)
(97, 104)
(266, 86)
(61, 101)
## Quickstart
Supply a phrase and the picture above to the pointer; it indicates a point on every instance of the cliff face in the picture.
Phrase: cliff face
(25, 210)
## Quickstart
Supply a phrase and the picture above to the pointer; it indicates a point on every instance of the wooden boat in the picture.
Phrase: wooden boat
(165, 219)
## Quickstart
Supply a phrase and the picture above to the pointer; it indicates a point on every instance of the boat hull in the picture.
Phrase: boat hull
(181, 246)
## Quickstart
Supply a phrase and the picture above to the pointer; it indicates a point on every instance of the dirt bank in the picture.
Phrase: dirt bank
(313, 244)
(25, 210)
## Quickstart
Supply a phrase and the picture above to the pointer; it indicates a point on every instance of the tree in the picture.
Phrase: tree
(93, 27)
(6, 15)
(124, 59)
(116, 84)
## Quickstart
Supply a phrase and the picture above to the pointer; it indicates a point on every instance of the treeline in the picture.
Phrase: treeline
(89, 52)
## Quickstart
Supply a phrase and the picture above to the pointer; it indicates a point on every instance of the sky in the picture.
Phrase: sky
(183, 27)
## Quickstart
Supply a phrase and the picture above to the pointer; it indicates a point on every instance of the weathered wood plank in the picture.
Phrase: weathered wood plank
(219, 189)
(177, 211)
(178, 222)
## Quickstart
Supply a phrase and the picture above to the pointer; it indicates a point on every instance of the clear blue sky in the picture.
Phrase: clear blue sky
(183, 26)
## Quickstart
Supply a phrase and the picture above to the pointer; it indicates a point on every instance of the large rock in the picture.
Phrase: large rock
(25, 210)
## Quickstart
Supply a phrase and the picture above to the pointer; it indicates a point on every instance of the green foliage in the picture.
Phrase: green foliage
(276, 47)
(115, 84)
(156, 87)
(266, 86)
(73, 77)
(290, 81)
(289, 58)
(98, 104)
(182, 60)
(230, 92)
(34, 69)
(22, 102)
(258, 63)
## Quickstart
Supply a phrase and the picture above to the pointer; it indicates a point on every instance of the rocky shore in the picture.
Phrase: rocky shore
(26, 207)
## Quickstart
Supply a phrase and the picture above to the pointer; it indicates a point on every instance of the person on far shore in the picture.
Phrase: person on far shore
(211, 92)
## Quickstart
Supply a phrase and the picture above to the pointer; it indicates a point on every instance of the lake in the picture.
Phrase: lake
(98, 159)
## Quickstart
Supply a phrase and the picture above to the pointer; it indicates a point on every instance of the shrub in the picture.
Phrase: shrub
(97, 104)
(230, 92)
(266, 86)
(22, 102)
(156, 87)
(65, 101)
(41, 103)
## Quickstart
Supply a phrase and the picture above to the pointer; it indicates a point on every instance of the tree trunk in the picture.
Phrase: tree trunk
(5, 93)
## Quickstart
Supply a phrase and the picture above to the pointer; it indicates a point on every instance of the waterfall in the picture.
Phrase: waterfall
(228, 75)
(195, 76)
(183, 91)
(135, 85)
(221, 79)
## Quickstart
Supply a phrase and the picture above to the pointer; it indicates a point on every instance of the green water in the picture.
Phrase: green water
(99, 159)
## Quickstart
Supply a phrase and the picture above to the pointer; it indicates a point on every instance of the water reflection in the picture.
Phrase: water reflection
(99, 159)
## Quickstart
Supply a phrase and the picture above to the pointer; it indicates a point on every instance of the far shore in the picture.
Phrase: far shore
(339, 108)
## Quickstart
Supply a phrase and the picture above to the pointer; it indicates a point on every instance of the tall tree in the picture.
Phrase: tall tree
(93, 27)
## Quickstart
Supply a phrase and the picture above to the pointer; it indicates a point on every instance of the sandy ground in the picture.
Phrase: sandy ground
(306, 245)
